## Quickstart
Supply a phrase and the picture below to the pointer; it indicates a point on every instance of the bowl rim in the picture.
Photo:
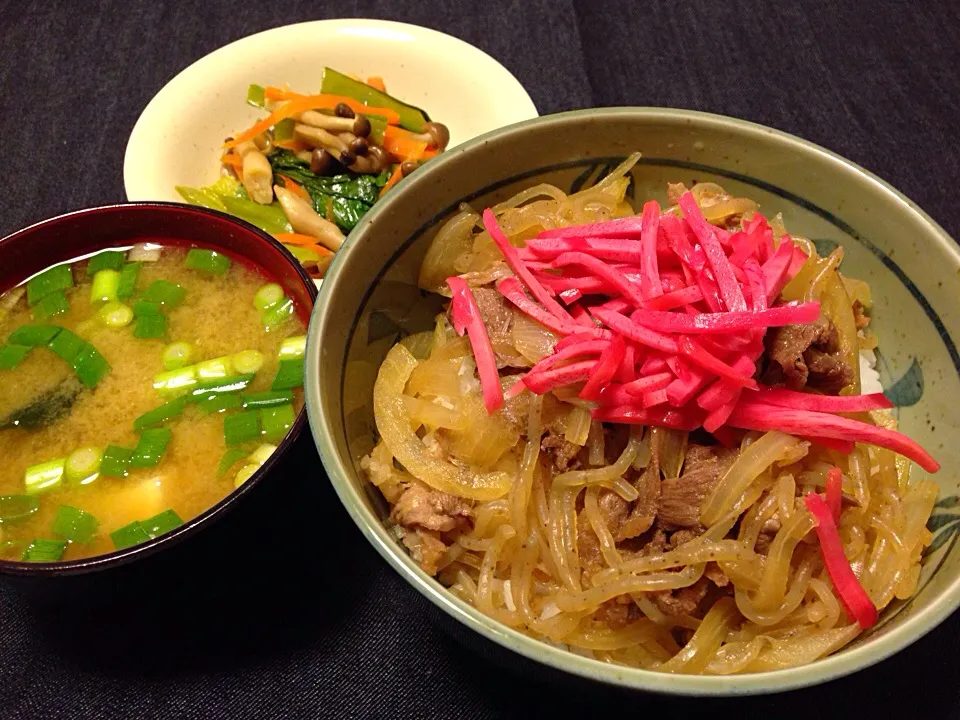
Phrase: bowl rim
(832, 667)
(171, 89)
(190, 527)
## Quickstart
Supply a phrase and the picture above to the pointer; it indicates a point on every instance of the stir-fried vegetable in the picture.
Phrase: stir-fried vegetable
(316, 164)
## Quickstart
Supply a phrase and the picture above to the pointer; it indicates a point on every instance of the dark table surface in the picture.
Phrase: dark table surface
(329, 630)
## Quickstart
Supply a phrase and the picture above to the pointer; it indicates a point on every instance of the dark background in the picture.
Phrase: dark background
(312, 622)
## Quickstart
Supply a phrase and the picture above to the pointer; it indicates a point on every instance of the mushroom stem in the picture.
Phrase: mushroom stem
(257, 173)
(358, 125)
(305, 220)
(434, 134)
(318, 137)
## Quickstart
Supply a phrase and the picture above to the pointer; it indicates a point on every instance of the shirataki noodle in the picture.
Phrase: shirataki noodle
(636, 544)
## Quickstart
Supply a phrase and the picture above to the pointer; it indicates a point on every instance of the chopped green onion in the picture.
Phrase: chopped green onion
(109, 260)
(257, 458)
(211, 388)
(247, 361)
(150, 327)
(244, 474)
(289, 375)
(220, 403)
(177, 355)
(213, 369)
(33, 335)
(45, 476)
(230, 458)
(17, 507)
(129, 535)
(44, 550)
(115, 461)
(262, 453)
(267, 399)
(83, 465)
(241, 427)
(161, 414)
(268, 296)
(174, 381)
(293, 347)
(165, 293)
(161, 523)
(153, 444)
(115, 314)
(74, 524)
(207, 261)
(276, 421)
(90, 366)
(276, 316)
(12, 355)
(105, 286)
(128, 280)
(59, 277)
(145, 308)
(68, 345)
(53, 304)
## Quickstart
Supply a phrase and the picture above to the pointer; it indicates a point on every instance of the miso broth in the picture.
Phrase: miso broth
(50, 408)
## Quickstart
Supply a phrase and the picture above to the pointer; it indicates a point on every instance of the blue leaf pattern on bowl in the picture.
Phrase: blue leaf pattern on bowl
(944, 525)
(908, 389)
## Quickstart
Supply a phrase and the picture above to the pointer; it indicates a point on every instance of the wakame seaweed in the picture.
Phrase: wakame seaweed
(350, 196)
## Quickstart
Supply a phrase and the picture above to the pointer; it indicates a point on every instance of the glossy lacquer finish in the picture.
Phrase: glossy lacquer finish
(154, 568)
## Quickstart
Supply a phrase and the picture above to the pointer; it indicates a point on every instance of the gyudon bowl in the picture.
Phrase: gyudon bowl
(371, 300)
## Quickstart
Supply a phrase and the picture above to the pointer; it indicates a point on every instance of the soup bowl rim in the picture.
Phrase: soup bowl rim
(194, 525)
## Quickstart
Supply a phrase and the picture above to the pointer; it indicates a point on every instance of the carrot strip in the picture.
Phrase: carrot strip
(403, 144)
(855, 600)
(297, 239)
(395, 177)
(296, 188)
(466, 319)
(376, 82)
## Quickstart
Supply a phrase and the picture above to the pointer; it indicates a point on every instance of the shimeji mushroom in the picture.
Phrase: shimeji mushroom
(357, 125)
(434, 134)
(257, 173)
(305, 220)
(336, 146)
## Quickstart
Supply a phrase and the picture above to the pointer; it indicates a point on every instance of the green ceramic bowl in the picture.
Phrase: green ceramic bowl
(370, 299)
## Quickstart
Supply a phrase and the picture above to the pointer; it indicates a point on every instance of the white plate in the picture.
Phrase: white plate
(177, 139)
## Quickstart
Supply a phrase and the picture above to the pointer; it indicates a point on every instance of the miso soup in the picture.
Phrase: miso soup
(138, 388)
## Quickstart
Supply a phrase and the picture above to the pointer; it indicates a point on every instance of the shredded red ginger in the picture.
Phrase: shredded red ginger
(663, 319)
(855, 600)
